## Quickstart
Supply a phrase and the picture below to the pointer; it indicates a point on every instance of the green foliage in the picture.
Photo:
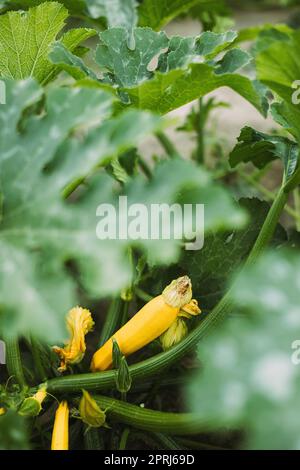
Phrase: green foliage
(156, 13)
(13, 432)
(249, 380)
(26, 38)
(261, 149)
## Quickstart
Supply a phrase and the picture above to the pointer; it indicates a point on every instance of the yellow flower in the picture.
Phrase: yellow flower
(2, 411)
(177, 331)
(60, 434)
(79, 323)
(90, 412)
(32, 406)
(190, 310)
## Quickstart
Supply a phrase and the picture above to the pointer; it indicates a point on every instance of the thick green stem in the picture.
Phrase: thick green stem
(152, 366)
(150, 420)
(296, 194)
(36, 354)
(200, 156)
(112, 321)
(269, 226)
(13, 361)
(168, 146)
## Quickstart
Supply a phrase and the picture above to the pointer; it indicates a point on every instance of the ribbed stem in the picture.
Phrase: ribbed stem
(112, 321)
(150, 420)
(13, 360)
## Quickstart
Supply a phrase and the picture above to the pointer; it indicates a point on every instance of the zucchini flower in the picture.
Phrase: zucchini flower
(79, 323)
(177, 331)
(90, 412)
(60, 433)
(190, 310)
(2, 411)
(32, 406)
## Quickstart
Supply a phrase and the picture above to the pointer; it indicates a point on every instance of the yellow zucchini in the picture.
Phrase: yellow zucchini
(60, 434)
(148, 324)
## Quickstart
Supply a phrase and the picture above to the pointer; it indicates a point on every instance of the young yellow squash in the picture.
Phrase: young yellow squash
(148, 324)
(60, 434)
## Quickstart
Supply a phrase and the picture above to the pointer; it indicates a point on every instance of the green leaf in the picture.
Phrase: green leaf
(182, 81)
(26, 38)
(156, 13)
(166, 92)
(70, 63)
(233, 60)
(129, 67)
(13, 432)
(261, 149)
(119, 13)
(249, 380)
(39, 231)
(73, 6)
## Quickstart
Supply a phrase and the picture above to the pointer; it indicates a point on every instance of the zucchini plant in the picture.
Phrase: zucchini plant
(126, 342)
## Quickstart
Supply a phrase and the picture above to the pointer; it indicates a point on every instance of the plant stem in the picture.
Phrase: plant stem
(151, 420)
(142, 294)
(166, 143)
(200, 133)
(251, 179)
(167, 442)
(124, 439)
(113, 319)
(153, 365)
(36, 354)
(93, 439)
(269, 226)
(296, 194)
(145, 167)
(13, 360)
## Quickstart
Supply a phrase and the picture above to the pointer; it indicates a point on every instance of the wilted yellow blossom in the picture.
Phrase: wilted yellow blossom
(190, 310)
(177, 331)
(79, 323)
(32, 406)
(90, 412)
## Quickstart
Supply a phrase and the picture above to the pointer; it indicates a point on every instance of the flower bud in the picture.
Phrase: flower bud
(32, 406)
(90, 413)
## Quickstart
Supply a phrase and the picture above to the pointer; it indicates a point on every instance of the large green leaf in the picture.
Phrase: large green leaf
(250, 378)
(169, 91)
(176, 81)
(156, 13)
(261, 149)
(39, 231)
(129, 67)
(26, 38)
